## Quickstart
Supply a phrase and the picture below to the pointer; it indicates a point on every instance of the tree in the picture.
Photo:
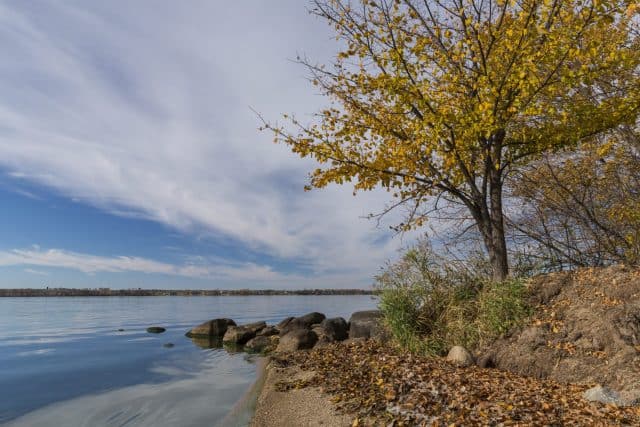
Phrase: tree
(444, 98)
(582, 208)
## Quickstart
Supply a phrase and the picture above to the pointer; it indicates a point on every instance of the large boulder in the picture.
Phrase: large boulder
(241, 334)
(262, 344)
(366, 324)
(211, 328)
(302, 322)
(268, 331)
(283, 323)
(298, 339)
(459, 356)
(335, 329)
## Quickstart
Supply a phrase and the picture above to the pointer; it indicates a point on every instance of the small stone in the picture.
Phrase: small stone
(603, 395)
(155, 329)
(169, 345)
(460, 356)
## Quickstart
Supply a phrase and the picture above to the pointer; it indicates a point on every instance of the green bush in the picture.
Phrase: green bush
(431, 304)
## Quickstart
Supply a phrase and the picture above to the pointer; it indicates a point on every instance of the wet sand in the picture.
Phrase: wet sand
(298, 407)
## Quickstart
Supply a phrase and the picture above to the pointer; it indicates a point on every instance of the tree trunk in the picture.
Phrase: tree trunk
(490, 222)
(499, 260)
(488, 213)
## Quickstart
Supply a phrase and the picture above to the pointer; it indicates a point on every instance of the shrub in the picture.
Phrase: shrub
(431, 304)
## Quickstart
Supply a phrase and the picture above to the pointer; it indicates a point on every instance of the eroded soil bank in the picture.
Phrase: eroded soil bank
(585, 329)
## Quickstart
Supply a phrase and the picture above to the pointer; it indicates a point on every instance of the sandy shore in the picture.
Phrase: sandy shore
(294, 408)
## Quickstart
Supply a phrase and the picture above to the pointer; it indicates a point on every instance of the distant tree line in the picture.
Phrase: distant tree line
(106, 292)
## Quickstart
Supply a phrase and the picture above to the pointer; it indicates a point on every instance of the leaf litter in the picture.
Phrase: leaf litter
(382, 385)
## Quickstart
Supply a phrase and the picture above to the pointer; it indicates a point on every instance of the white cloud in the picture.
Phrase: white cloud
(36, 272)
(143, 109)
(91, 264)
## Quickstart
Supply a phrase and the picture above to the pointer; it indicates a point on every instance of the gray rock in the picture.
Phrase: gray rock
(603, 395)
(323, 337)
(211, 328)
(168, 345)
(335, 329)
(268, 331)
(631, 397)
(459, 356)
(155, 329)
(302, 322)
(366, 315)
(241, 334)
(284, 323)
(298, 339)
(366, 324)
(262, 344)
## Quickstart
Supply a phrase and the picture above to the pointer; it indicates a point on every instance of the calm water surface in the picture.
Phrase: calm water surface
(64, 362)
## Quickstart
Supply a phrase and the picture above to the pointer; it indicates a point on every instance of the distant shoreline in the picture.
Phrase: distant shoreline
(106, 292)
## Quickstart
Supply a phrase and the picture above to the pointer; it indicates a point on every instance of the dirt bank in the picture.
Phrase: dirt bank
(586, 329)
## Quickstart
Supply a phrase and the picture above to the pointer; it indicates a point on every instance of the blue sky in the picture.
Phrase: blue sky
(130, 155)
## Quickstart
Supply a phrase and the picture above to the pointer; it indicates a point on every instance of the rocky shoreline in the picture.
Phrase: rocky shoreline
(275, 407)
(575, 361)
(313, 330)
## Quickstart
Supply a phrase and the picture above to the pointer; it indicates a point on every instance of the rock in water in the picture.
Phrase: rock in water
(243, 333)
(168, 345)
(284, 323)
(459, 356)
(155, 329)
(212, 328)
(302, 322)
(366, 324)
(298, 339)
(262, 344)
(335, 329)
(603, 395)
(268, 331)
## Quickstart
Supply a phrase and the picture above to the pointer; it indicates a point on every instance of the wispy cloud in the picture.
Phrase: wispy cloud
(106, 106)
(91, 264)
(36, 272)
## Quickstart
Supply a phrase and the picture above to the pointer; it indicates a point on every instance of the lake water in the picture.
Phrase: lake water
(64, 362)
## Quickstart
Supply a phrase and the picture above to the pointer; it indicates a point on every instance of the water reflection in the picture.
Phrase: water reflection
(198, 400)
(207, 342)
(90, 361)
